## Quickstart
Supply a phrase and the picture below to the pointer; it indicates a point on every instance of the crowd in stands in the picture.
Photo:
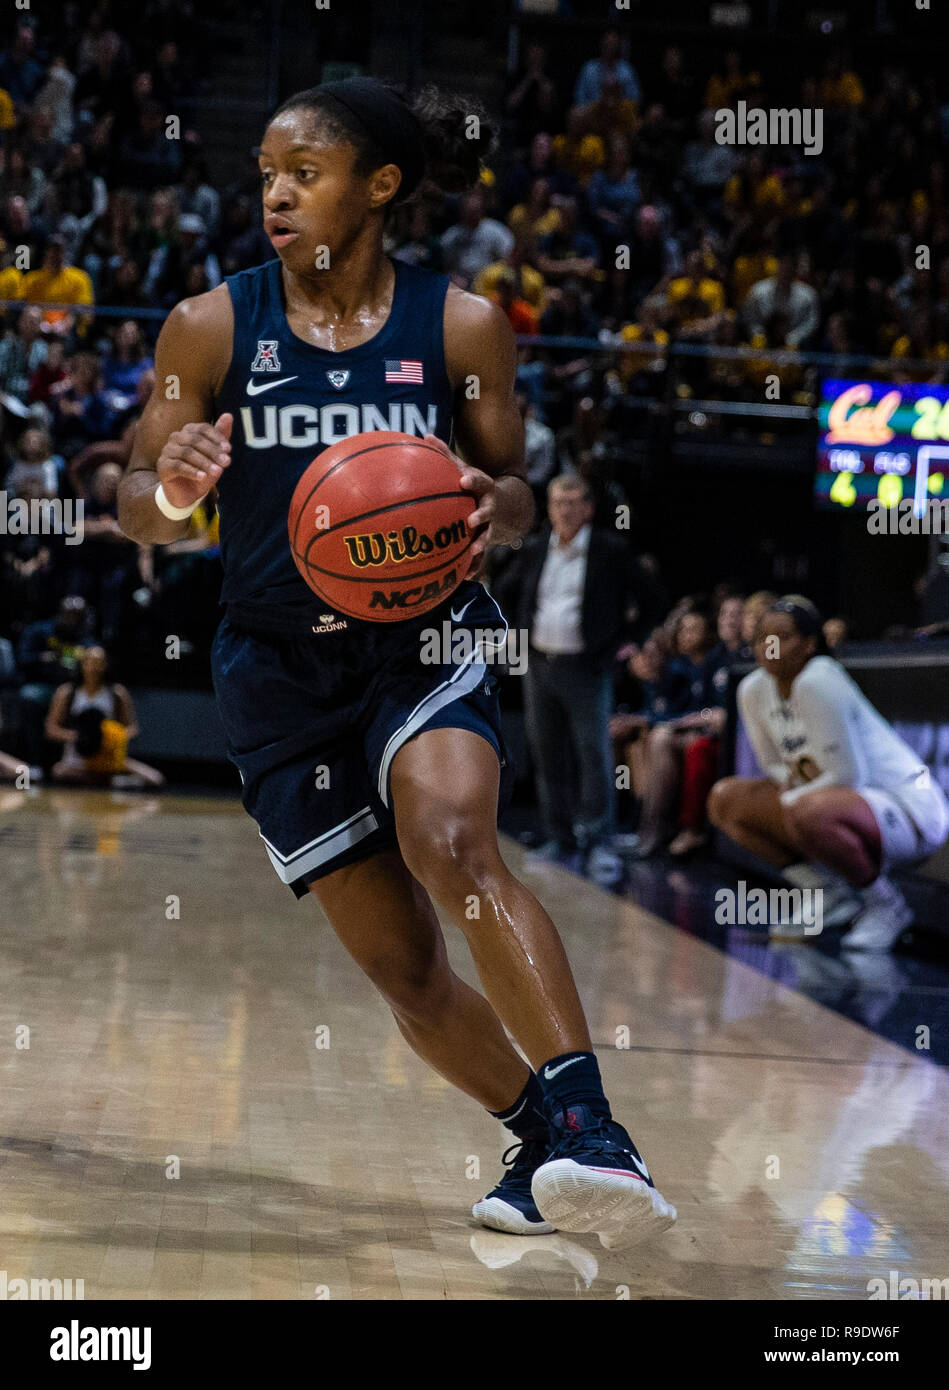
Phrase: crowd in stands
(615, 214)
(609, 215)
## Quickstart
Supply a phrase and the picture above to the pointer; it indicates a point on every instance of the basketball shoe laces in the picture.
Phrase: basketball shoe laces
(600, 1134)
(528, 1155)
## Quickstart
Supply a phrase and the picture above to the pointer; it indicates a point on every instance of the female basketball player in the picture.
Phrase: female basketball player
(841, 789)
(342, 737)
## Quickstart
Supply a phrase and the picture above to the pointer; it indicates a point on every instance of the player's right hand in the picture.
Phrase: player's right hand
(193, 459)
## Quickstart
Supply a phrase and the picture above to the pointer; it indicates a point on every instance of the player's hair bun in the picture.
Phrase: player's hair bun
(458, 135)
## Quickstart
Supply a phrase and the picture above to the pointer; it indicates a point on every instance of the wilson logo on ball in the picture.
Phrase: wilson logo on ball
(399, 536)
(377, 549)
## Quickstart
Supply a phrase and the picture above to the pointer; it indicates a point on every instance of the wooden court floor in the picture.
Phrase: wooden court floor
(214, 1103)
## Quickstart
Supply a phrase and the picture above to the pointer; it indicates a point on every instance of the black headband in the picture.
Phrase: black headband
(388, 120)
(806, 618)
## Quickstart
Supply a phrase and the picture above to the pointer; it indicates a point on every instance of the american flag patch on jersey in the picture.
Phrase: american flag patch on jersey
(404, 371)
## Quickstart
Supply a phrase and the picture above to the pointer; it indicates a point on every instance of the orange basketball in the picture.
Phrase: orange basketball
(379, 526)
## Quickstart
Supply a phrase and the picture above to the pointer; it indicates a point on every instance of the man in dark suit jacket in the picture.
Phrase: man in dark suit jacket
(579, 592)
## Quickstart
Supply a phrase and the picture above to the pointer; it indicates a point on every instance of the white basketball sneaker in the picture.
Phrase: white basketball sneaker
(839, 902)
(886, 914)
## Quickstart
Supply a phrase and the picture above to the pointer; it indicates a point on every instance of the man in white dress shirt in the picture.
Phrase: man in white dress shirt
(576, 589)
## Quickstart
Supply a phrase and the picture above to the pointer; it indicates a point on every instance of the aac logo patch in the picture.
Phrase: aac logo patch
(266, 359)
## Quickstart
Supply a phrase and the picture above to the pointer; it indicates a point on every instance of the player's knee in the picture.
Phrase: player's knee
(445, 852)
(721, 801)
(807, 822)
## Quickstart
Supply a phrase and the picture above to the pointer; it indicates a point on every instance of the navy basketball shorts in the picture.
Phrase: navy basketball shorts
(314, 720)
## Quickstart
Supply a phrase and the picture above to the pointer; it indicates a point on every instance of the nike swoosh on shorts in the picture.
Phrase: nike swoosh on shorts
(458, 616)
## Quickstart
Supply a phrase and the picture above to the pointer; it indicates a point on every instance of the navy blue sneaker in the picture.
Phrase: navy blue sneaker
(510, 1206)
(595, 1180)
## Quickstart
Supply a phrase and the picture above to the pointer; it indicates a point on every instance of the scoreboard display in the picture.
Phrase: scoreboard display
(883, 443)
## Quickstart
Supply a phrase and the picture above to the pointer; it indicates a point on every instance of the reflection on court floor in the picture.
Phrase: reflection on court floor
(202, 1097)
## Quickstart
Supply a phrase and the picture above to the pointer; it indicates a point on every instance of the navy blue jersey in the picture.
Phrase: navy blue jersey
(291, 399)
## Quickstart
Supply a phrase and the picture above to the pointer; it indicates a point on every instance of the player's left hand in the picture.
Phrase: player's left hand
(483, 487)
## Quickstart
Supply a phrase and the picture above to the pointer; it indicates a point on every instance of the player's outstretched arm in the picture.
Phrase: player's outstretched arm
(176, 444)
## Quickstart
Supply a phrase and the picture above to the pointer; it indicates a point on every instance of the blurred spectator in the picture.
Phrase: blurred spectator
(641, 372)
(577, 151)
(754, 191)
(673, 88)
(696, 299)
(532, 99)
(570, 315)
(538, 216)
(197, 196)
(785, 295)
(539, 451)
(30, 568)
(51, 120)
(104, 568)
(839, 86)
(731, 83)
(21, 352)
(168, 75)
(683, 748)
(920, 343)
(170, 267)
(94, 719)
(49, 373)
(127, 363)
(58, 283)
(647, 694)
(612, 114)
(522, 318)
(243, 242)
(475, 240)
(147, 158)
(75, 198)
(728, 626)
(835, 633)
(22, 231)
(756, 604)
(81, 413)
(22, 180)
(653, 255)
(20, 73)
(706, 165)
(540, 164)
(613, 193)
(609, 64)
(104, 87)
(528, 281)
(35, 462)
(49, 654)
(568, 251)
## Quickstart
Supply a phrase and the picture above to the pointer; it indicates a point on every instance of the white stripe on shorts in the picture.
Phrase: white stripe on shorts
(466, 679)
(326, 846)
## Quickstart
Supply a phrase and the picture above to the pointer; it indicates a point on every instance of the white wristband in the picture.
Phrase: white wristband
(174, 513)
